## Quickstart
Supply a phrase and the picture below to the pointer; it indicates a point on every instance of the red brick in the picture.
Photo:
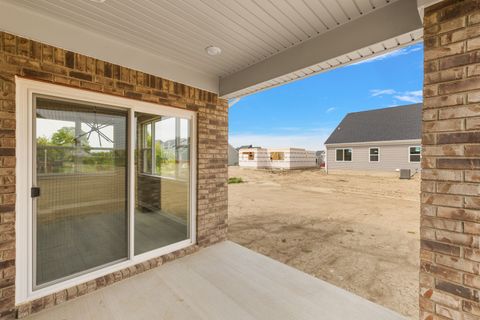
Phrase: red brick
(440, 247)
(443, 125)
(459, 86)
(459, 112)
(440, 297)
(442, 199)
(458, 188)
(472, 202)
(448, 313)
(441, 175)
(457, 263)
(472, 176)
(443, 150)
(457, 290)
(473, 124)
(471, 307)
(458, 214)
(470, 253)
(442, 224)
(443, 101)
(473, 44)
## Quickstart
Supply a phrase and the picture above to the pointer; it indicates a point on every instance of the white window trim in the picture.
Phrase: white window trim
(409, 154)
(351, 151)
(25, 89)
(369, 159)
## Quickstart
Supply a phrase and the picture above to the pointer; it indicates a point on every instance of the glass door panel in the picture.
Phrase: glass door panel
(80, 207)
(162, 181)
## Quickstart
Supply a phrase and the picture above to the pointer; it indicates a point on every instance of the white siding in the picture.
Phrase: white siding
(294, 158)
(392, 157)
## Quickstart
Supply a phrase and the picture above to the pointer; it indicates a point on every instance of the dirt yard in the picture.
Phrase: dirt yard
(357, 231)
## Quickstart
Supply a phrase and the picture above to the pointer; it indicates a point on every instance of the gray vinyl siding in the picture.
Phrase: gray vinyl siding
(392, 157)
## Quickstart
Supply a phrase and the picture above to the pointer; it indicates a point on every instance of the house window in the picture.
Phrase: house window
(344, 155)
(106, 183)
(414, 153)
(248, 155)
(277, 156)
(374, 154)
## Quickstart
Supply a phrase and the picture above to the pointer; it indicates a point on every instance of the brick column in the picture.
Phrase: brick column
(450, 210)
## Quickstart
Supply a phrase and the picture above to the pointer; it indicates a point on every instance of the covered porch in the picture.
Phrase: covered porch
(224, 281)
(164, 60)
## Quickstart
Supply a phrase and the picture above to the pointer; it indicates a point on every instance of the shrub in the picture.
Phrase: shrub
(235, 180)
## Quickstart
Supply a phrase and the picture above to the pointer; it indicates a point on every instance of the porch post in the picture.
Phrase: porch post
(450, 198)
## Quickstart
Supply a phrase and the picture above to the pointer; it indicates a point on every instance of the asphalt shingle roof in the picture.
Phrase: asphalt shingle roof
(396, 123)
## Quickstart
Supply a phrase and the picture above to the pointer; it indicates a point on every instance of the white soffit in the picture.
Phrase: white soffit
(168, 37)
(353, 57)
(381, 31)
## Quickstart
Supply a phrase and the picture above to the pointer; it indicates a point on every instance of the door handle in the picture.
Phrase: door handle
(35, 192)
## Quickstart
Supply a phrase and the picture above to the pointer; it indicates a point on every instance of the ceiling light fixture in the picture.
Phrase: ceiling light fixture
(98, 1)
(213, 51)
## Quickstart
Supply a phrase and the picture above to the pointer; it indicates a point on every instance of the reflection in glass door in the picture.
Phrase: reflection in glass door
(80, 188)
(162, 181)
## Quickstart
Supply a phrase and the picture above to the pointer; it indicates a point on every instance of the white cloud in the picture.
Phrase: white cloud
(410, 96)
(391, 54)
(330, 110)
(378, 92)
(310, 140)
(415, 96)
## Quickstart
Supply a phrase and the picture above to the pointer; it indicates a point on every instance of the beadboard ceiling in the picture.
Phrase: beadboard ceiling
(247, 31)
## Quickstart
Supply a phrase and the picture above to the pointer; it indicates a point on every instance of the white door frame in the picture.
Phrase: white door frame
(25, 89)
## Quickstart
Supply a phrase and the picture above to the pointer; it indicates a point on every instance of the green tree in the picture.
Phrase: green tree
(43, 141)
(64, 137)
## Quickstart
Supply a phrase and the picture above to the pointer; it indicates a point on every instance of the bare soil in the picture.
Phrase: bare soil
(357, 230)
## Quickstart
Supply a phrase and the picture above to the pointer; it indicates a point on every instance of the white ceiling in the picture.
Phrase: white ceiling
(177, 31)
(247, 31)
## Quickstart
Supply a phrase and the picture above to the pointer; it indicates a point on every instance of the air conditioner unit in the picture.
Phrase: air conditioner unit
(405, 174)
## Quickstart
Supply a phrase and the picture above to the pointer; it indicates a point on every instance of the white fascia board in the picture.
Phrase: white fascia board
(422, 4)
(395, 19)
(366, 143)
(35, 26)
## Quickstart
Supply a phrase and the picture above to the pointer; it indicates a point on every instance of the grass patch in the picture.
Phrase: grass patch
(235, 180)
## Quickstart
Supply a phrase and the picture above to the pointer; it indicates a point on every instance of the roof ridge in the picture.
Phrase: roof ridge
(395, 107)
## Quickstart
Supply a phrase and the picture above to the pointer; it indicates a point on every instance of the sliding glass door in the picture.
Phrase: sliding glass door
(80, 188)
(109, 184)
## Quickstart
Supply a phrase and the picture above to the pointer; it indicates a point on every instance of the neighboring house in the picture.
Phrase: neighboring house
(232, 156)
(383, 140)
(285, 158)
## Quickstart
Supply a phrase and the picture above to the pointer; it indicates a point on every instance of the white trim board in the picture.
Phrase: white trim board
(24, 148)
(422, 4)
(373, 143)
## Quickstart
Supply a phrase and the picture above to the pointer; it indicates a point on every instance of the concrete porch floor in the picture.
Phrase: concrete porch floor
(225, 281)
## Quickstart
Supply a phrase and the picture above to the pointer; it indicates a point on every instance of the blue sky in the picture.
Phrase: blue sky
(304, 113)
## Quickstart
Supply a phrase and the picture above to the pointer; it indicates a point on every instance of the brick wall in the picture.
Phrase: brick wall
(450, 214)
(30, 59)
